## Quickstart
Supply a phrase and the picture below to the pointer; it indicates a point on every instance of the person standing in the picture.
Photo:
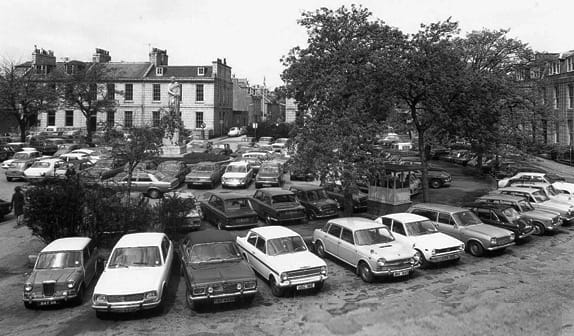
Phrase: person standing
(17, 205)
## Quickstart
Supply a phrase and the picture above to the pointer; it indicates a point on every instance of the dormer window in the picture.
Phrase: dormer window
(201, 71)
(555, 68)
(159, 71)
(570, 64)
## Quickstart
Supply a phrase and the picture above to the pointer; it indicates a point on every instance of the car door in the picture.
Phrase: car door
(347, 250)
(167, 253)
(447, 225)
(215, 209)
(332, 239)
(399, 231)
(257, 246)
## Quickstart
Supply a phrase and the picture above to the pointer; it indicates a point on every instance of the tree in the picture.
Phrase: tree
(23, 95)
(82, 86)
(343, 84)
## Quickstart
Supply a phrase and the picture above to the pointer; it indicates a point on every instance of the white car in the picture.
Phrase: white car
(548, 190)
(540, 201)
(431, 245)
(526, 177)
(280, 256)
(234, 131)
(367, 246)
(237, 174)
(26, 154)
(136, 274)
(42, 169)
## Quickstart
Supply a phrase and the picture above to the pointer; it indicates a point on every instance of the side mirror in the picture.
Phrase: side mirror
(32, 258)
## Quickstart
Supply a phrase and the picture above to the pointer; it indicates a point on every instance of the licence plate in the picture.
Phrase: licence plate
(401, 273)
(224, 300)
(306, 286)
(448, 257)
(47, 303)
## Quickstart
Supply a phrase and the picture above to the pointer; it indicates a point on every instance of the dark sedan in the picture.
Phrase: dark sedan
(228, 210)
(107, 168)
(316, 201)
(204, 174)
(278, 206)
(174, 168)
(214, 271)
(336, 192)
(503, 216)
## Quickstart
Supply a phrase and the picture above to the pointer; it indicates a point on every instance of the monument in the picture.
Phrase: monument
(171, 122)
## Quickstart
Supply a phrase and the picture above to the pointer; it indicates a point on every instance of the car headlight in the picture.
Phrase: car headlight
(323, 270)
(210, 289)
(493, 241)
(381, 261)
(100, 298)
(28, 287)
(414, 260)
(198, 290)
(283, 276)
(433, 252)
(71, 283)
(239, 286)
(242, 180)
(462, 247)
(150, 296)
(250, 284)
(512, 236)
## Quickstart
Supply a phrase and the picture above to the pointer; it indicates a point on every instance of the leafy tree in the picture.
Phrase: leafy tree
(23, 95)
(81, 87)
(343, 83)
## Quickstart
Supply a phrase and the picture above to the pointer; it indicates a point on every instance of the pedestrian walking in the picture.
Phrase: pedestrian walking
(17, 205)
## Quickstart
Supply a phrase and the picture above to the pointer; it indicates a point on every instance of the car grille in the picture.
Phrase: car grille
(49, 288)
(395, 265)
(446, 250)
(125, 298)
(225, 288)
(503, 240)
(291, 214)
(302, 273)
(328, 209)
(243, 220)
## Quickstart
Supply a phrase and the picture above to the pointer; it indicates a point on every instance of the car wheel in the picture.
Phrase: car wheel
(435, 184)
(365, 272)
(320, 249)
(154, 193)
(80, 297)
(539, 229)
(275, 288)
(475, 249)
(422, 262)
(29, 305)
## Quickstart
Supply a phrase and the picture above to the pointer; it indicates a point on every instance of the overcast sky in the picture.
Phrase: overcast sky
(252, 35)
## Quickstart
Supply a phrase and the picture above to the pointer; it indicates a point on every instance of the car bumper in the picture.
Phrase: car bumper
(303, 282)
(191, 223)
(234, 184)
(294, 220)
(199, 182)
(445, 256)
(395, 272)
(499, 247)
(267, 184)
(223, 298)
(48, 301)
(125, 307)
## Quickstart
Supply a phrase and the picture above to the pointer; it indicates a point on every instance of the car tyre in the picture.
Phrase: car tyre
(154, 193)
(422, 260)
(475, 249)
(79, 299)
(320, 249)
(275, 288)
(435, 184)
(29, 305)
(539, 229)
(365, 272)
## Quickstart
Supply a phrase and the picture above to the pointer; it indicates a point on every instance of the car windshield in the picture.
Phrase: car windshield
(525, 205)
(17, 164)
(40, 164)
(21, 156)
(237, 204)
(104, 164)
(213, 252)
(373, 236)
(420, 228)
(539, 196)
(285, 245)
(60, 259)
(317, 195)
(551, 190)
(511, 213)
(140, 256)
(466, 218)
(283, 198)
(203, 168)
(269, 170)
(236, 169)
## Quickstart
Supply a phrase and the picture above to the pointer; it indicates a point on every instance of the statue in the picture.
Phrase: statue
(174, 91)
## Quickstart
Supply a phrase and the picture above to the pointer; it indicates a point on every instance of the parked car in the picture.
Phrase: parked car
(301, 175)
(16, 169)
(42, 169)
(234, 132)
(465, 226)
(47, 146)
(214, 271)
(191, 219)
(265, 141)
(316, 201)
(27, 154)
(136, 274)
(237, 174)
(152, 183)
(503, 216)
(540, 201)
(335, 191)
(367, 246)
(174, 168)
(542, 220)
(278, 206)
(66, 148)
(270, 174)
(256, 159)
(281, 257)
(431, 245)
(228, 210)
(64, 169)
(62, 272)
(204, 174)
(547, 188)
(281, 144)
(107, 168)
(528, 177)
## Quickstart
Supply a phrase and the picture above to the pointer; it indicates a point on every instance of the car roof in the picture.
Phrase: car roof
(274, 231)
(226, 195)
(140, 239)
(502, 197)
(438, 206)
(238, 163)
(306, 187)
(405, 217)
(67, 244)
(355, 223)
(487, 205)
(49, 159)
(518, 189)
(276, 191)
(209, 236)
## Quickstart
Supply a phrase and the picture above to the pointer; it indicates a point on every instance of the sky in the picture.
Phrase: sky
(251, 35)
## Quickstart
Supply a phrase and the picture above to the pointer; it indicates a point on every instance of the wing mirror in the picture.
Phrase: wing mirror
(32, 258)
